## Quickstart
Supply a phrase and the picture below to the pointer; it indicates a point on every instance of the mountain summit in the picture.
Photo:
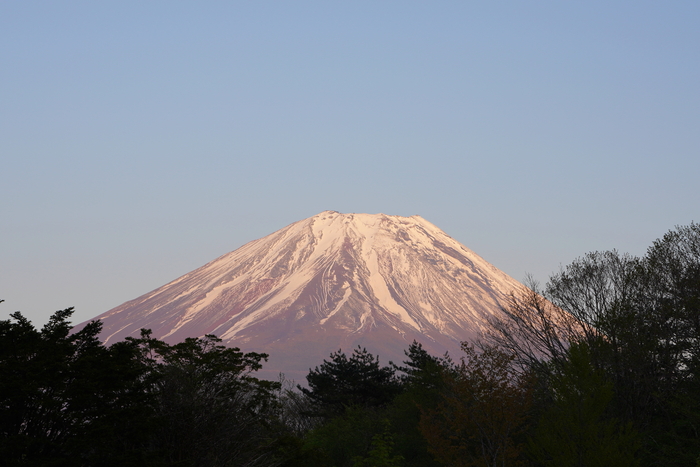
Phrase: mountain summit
(327, 282)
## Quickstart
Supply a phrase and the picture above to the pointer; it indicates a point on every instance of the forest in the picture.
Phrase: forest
(598, 367)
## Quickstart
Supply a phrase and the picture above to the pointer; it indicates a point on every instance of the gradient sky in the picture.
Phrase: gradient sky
(140, 140)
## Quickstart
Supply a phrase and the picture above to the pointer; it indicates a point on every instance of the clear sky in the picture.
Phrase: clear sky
(140, 140)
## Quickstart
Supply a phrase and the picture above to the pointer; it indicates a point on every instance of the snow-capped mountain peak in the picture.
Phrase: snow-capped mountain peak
(330, 281)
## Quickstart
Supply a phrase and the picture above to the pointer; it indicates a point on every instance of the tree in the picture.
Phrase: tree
(483, 413)
(380, 453)
(672, 292)
(210, 409)
(345, 382)
(576, 430)
(349, 397)
(670, 296)
(65, 399)
(533, 330)
(639, 318)
(340, 440)
(423, 370)
(423, 377)
(295, 408)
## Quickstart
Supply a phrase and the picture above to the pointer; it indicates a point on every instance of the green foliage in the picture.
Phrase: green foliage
(62, 395)
(639, 318)
(349, 434)
(483, 412)
(66, 399)
(422, 370)
(380, 453)
(209, 408)
(670, 304)
(404, 414)
(341, 439)
(345, 382)
(645, 313)
(576, 430)
(424, 380)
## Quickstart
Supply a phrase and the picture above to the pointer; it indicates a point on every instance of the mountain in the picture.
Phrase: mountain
(328, 282)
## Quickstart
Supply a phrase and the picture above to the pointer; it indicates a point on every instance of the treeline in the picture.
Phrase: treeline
(598, 368)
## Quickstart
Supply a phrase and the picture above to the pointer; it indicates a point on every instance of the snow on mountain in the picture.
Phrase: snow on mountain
(328, 282)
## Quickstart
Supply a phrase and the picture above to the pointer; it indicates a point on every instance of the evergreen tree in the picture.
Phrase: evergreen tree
(346, 382)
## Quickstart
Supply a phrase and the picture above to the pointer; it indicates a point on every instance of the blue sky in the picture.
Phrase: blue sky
(140, 140)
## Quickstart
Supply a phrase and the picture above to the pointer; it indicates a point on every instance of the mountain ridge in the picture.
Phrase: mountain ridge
(327, 282)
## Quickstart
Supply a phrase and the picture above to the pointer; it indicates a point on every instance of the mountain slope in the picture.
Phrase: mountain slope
(331, 281)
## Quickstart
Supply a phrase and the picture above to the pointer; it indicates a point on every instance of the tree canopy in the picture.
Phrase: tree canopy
(66, 399)
(344, 381)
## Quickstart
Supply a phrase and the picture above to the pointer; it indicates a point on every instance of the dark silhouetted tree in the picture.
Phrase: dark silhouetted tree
(577, 430)
(65, 399)
(356, 381)
(211, 410)
(483, 414)
(639, 318)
